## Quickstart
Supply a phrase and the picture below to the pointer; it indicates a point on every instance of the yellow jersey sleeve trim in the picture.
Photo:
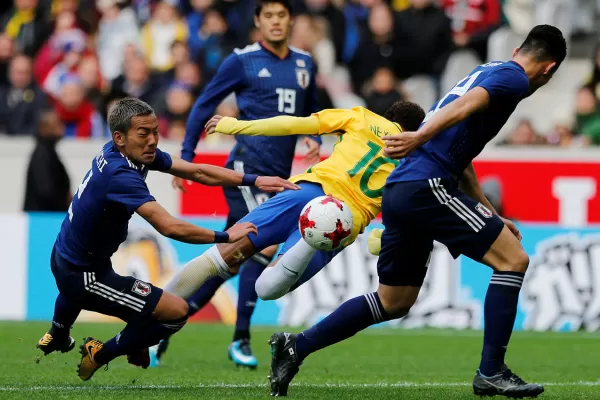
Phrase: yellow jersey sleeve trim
(276, 126)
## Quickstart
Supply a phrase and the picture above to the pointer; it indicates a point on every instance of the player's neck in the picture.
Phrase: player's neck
(531, 69)
(280, 49)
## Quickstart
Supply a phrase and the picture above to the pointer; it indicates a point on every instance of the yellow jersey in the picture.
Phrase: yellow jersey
(356, 170)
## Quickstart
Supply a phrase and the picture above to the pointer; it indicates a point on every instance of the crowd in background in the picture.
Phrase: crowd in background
(74, 58)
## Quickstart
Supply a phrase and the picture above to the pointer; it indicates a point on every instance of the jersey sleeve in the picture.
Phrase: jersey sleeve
(229, 78)
(127, 187)
(162, 161)
(335, 120)
(506, 83)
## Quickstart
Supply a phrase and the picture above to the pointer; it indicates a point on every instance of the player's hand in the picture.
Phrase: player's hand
(513, 228)
(399, 146)
(274, 184)
(312, 156)
(211, 125)
(179, 184)
(240, 231)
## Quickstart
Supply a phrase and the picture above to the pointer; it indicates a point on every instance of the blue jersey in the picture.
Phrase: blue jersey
(265, 86)
(104, 202)
(451, 151)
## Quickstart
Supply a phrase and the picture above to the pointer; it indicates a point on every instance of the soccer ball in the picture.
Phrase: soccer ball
(326, 223)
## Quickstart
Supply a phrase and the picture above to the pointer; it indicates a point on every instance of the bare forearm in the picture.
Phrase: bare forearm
(469, 184)
(212, 175)
(189, 233)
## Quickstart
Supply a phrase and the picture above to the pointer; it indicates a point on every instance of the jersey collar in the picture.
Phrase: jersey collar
(265, 48)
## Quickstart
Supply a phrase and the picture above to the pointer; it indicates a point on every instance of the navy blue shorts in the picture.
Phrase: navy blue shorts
(242, 199)
(415, 214)
(102, 290)
(277, 222)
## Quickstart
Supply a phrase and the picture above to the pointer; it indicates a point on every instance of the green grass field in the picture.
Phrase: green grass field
(377, 364)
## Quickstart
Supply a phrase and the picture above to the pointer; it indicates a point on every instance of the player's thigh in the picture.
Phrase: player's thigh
(405, 245)
(170, 307)
(277, 218)
(124, 297)
(506, 253)
(462, 224)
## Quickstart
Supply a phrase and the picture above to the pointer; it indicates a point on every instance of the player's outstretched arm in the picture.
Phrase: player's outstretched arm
(211, 175)
(399, 146)
(171, 227)
(276, 126)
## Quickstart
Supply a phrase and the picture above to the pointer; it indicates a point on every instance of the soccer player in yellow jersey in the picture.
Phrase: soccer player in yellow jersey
(355, 173)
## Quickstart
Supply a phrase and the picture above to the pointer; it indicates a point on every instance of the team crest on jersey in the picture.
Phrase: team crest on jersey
(301, 63)
(303, 78)
(141, 288)
(483, 210)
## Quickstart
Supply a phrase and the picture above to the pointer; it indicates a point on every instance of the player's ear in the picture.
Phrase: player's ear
(256, 23)
(550, 67)
(515, 51)
(118, 138)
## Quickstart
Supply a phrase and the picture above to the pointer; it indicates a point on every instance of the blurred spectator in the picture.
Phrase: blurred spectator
(594, 82)
(20, 99)
(48, 184)
(310, 34)
(26, 25)
(189, 74)
(587, 116)
(79, 116)
(66, 13)
(118, 28)
(179, 101)
(378, 47)
(95, 87)
(384, 92)
(524, 134)
(473, 21)
(213, 42)
(6, 53)
(159, 33)
(563, 136)
(137, 82)
(425, 36)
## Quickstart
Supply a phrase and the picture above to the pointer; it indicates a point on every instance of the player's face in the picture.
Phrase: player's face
(141, 140)
(274, 22)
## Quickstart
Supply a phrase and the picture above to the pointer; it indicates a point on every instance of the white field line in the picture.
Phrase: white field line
(257, 385)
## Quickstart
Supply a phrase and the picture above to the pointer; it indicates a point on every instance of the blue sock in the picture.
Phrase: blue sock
(65, 314)
(247, 296)
(204, 294)
(137, 336)
(351, 317)
(500, 310)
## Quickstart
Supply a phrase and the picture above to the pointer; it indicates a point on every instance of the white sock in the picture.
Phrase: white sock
(197, 271)
(276, 281)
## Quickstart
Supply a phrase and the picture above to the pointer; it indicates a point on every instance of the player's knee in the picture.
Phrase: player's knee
(180, 308)
(518, 262)
(395, 308)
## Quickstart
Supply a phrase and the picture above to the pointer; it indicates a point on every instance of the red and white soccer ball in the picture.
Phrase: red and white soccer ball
(326, 223)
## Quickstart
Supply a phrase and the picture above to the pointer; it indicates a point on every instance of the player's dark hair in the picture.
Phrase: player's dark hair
(121, 113)
(261, 3)
(407, 114)
(545, 43)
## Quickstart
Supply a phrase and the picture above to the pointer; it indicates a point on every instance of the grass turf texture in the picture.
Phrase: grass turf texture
(379, 363)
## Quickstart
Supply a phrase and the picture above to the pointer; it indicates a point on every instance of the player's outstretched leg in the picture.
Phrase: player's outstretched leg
(288, 351)
(493, 377)
(277, 280)
(58, 338)
(169, 316)
(195, 304)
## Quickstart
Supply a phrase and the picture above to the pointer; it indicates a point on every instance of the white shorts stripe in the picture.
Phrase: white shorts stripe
(249, 199)
(460, 205)
(451, 206)
(111, 294)
(116, 292)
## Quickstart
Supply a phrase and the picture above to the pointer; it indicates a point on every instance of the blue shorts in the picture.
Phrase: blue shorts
(242, 199)
(415, 214)
(102, 290)
(277, 222)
